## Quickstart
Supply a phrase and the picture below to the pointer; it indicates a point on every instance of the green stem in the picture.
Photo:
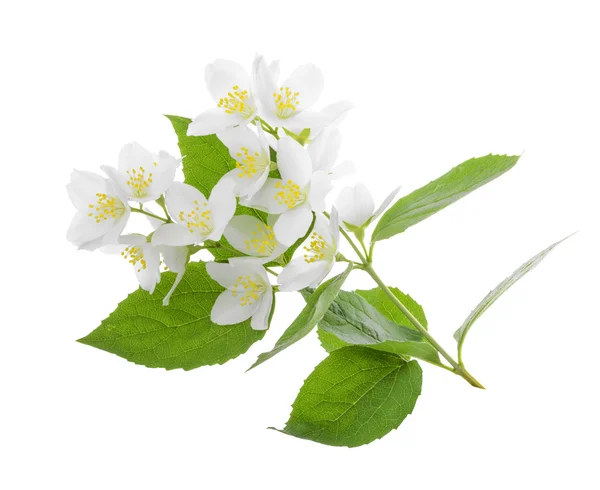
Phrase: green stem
(152, 215)
(457, 368)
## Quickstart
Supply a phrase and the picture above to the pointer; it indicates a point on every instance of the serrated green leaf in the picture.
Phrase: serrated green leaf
(308, 318)
(435, 196)
(352, 320)
(493, 295)
(355, 396)
(180, 335)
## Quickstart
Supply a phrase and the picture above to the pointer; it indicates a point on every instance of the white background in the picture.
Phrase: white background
(434, 84)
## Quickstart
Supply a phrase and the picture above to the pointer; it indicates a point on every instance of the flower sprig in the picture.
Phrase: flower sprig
(259, 168)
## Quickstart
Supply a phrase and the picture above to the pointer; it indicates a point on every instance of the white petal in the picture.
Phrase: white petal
(163, 174)
(175, 235)
(264, 85)
(133, 155)
(266, 199)
(260, 319)
(308, 81)
(337, 112)
(386, 202)
(228, 310)
(324, 149)
(167, 297)
(312, 120)
(342, 170)
(293, 162)
(148, 276)
(299, 274)
(182, 197)
(175, 258)
(334, 228)
(320, 186)
(132, 239)
(222, 75)
(250, 236)
(323, 227)
(227, 274)
(83, 188)
(222, 206)
(293, 224)
(355, 205)
(241, 136)
(274, 69)
(213, 121)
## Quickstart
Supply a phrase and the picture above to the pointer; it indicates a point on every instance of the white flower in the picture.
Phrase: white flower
(252, 237)
(102, 211)
(197, 219)
(321, 250)
(230, 86)
(357, 208)
(323, 151)
(248, 293)
(145, 258)
(142, 175)
(286, 104)
(296, 195)
(252, 158)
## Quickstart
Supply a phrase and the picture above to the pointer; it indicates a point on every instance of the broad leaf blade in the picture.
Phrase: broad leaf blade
(438, 194)
(352, 320)
(355, 396)
(180, 335)
(493, 295)
(313, 312)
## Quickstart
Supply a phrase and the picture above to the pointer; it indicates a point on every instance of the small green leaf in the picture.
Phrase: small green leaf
(436, 195)
(493, 295)
(355, 396)
(352, 320)
(312, 313)
(180, 335)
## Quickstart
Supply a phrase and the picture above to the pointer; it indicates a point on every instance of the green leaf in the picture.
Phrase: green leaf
(355, 396)
(180, 335)
(352, 320)
(312, 313)
(493, 295)
(436, 195)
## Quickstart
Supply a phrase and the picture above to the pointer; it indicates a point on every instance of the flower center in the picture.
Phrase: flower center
(247, 290)
(237, 102)
(262, 241)
(135, 256)
(318, 249)
(249, 164)
(289, 194)
(286, 102)
(138, 182)
(198, 219)
(106, 207)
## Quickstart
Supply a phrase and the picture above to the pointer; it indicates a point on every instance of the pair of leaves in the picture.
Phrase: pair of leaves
(370, 318)
(179, 335)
